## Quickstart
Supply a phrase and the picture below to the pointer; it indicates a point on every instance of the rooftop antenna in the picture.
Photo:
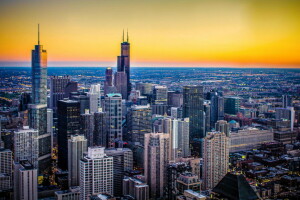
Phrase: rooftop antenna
(127, 36)
(38, 34)
(123, 35)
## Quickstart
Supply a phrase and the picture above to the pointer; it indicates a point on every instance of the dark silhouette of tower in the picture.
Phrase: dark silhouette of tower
(193, 108)
(124, 64)
(68, 113)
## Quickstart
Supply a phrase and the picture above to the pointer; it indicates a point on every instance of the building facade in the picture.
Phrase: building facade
(113, 109)
(96, 173)
(215, 158)
(77, 146)
(68, 124)
(156, 158)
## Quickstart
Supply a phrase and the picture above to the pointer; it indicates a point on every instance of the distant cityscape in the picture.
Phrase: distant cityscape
(131, 133)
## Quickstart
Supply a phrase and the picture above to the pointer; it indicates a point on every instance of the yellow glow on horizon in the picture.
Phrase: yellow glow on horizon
(185, 33)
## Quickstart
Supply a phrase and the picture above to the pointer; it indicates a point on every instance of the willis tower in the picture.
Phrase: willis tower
(122, 76)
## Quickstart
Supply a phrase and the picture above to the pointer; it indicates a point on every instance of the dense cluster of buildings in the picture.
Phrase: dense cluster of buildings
(123, 139)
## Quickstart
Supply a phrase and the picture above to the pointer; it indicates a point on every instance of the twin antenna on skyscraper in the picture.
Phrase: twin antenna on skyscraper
(127, 36)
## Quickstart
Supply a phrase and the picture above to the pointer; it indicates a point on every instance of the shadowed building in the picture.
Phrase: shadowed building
(215, 158)
(156, 154)
(68, 124)
(124, 64)
(113, 109)
(234, 187)
(77, 146)
(193, 109)
(108, 83)
(57, 90)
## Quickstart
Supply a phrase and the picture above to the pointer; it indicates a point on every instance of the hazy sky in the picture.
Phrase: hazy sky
(161, 32)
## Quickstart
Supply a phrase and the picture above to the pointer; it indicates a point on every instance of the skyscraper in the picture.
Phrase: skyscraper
(113, 109)
(39, 74)
(38, 108)
(124, 62)
(50, 127)
(120, 82)
(108, 83)
(6, 171)
(26, 145)
(95, 98)
(223, 126)
(193, 109)
(286, 101)
(72, 86)
(139, 123)
(68, 124)
(232, 105)
(215, 158)
(83, 99)
(178, 130)
(160, 94)
(175, 99)
(135, 188)
(96, 173)
(87, 125)
(122, 162)
(57, 90)
(156, 154)
(77, 145)
(25, 181)
(216, 107)
(100, 129)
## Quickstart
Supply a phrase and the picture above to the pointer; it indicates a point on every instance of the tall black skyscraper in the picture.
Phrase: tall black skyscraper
(38, 108)
(216, 107)
(124, 62)
(68, 113)
(100, 130)
(193, 108)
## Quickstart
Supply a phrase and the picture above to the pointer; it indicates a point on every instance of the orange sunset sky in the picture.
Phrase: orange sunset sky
(190, 33)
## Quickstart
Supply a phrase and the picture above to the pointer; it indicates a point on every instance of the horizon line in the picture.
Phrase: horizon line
(216, 67)
(151, 64)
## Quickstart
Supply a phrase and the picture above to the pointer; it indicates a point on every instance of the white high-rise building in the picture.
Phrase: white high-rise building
(215, 150)
(25, 181)
(96, 173)
(26, 145)
(156, 158)
(95, 98)
(178, 129)
(113, 109)
(77, 145)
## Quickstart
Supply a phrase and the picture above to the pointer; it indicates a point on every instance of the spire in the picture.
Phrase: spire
(123, 35)
(127, 36)
(38, 34)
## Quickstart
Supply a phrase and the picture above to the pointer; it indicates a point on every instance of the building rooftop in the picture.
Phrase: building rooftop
(235, 187)
(114, 95)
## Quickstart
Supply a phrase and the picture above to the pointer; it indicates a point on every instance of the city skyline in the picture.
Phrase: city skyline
(166, 34)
